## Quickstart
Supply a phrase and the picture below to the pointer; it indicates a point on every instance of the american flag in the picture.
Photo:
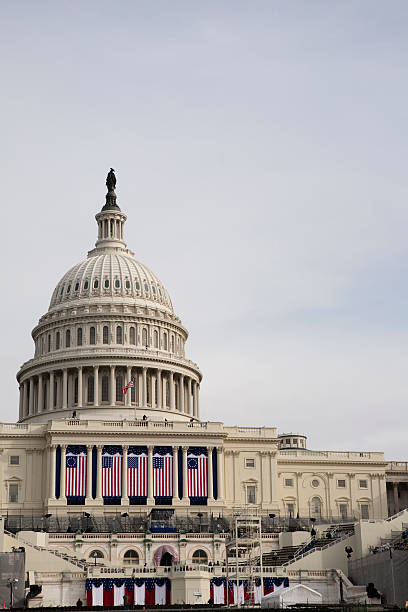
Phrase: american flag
(130, 385)
(197, 475)
(111, 475)
(137, 475)
(75, 475)
(163, 475)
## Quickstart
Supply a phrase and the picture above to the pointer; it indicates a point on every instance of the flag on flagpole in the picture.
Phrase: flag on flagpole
(130, 385)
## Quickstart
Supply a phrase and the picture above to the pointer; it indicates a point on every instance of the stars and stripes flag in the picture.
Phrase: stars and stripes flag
(75, 474)
(111, 475)
(130, 385)
(137, 475)
(163, 475)
(197, 475)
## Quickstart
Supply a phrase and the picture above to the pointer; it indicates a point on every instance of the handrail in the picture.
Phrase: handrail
(65, 557)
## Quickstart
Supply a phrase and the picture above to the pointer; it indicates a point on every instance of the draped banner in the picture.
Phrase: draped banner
(75, 471)
(137, 471)
(162, 471)
(197, 472)
(241, 593)
(112, 471)
(127, 591)
(218, 590)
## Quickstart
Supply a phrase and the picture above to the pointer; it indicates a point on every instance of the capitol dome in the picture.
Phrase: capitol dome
(110, 345)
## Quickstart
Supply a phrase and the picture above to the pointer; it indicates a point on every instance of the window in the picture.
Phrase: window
(133, 392)
(13, 493)
(86, 284)
(119, 335)
(316, 507)
(250, 463)
(96, 283)
(172, 344)
(106, 283)
(79, 336)
(76, 391)
(144, 337)
(290, 508)
(96, 554)
(251, 494)
(68, 288)
(55, 393)
(288, 482)
(105, 334)
(343, 510)
(57, 340)
(68, 338)
(165, 341)
(363, 484)
(49, 342)
(199, 557)
(365, 514)
(76, 286)
(117, 284)
(302, 442)
(341, 484)
(287, 440)
(130, 558)
(294, 441)
(91, 389)
(14, 460)
(127, 284)
(119, 388)
(156, 338)
(137, 286)
(92, 335)
(132, 335)
(315, 482)
(105, 388)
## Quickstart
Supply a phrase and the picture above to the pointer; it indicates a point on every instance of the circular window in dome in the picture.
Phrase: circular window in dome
(107, 283)
(315, 483)
(117, 284)
(86, 285)
(96, 283)
(76, 286)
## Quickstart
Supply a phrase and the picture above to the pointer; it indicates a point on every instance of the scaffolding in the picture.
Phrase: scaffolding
(244, 552)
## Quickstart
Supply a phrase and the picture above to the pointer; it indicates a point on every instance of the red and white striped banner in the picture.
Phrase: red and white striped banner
(162, 475)
(137, 475)
(111, 475)
(197, 475)
(75, 475)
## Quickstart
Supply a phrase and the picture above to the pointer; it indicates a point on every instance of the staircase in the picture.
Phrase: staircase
(82, 564)
(279, 557)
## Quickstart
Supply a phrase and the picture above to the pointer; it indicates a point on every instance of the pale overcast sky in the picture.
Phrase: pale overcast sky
(261, 153)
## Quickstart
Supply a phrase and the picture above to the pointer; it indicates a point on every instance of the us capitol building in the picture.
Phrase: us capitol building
(111, 455)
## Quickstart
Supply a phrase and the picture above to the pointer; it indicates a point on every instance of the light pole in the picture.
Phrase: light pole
(12, 582)
(95, 556)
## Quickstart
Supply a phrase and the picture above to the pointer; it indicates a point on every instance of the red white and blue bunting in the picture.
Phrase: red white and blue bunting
(240, 593)
(127, 591)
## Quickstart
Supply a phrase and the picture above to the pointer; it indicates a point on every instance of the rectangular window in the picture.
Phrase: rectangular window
(288, 482)
(13, 493)
(251, 494)
(290, 509)
(250, 463)
(343, 510)
(363, 484)
(364, 511)
(341, 484)
(91, 389)
(287, 440)
(105, 388)
(14, 460)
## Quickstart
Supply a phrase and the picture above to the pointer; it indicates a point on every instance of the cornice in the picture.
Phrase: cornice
(303, 460)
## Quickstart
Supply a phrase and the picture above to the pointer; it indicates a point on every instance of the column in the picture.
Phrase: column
(159, 390)
(195, 397)
(51, 393)
(112, 386)
(396, 500)
(172, 389)
(64, 388)
(197, 414)
(99, 473)
(25, 401)
(220, 474)
(181, 392)
(31, 399)
(21, 401)
(128, 395)
(80, 392)
(89, 448)
(153, 389)
(96, 385)
(62, 471)
(185, 488)
(175, 473)
(52, 455)
(125, 498)
(188, 411)
(144, 388)
(150, 498)
(210, 474)
(40, 396)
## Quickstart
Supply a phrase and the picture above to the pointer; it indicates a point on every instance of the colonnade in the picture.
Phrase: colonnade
(125, 498)
(83, 386)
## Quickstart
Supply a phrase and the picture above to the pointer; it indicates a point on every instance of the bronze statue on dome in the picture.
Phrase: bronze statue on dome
(111, 180)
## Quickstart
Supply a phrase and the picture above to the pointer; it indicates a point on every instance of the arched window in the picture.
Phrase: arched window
(106, 283)
(165, 341)
(96, 283)
(130, 558)
(200, 557)
(79, 336)
(57, 340)
(91, 389)
(119, 335)
(105, 335)
(105, 388)
(172, 344)
(132, 335)
(144, 337)
(119, 388)
(68, 338)
(92, 335)
(316, 507)
(156, 338)
(96, 554)
(49, 342)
